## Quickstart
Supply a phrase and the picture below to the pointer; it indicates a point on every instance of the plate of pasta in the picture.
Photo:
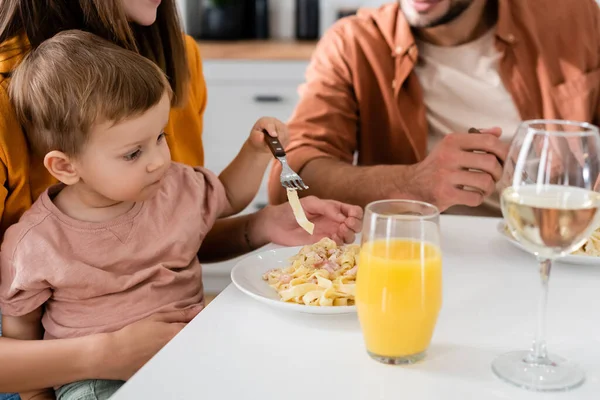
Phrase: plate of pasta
(316, 279)
(587, 254)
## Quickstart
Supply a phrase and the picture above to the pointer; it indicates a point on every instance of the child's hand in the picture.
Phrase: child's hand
(274, 127)
(337, 221)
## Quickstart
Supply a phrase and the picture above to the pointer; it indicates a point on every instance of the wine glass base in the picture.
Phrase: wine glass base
(550, 374)
(411, 359)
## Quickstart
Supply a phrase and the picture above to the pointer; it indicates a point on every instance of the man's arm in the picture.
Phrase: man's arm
(334, 179)
(440, 179)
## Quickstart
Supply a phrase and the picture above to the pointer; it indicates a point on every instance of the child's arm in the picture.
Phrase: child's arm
(243, 176)
(27, 327)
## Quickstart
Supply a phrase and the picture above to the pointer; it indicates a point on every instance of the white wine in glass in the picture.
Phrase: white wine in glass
(551, 205)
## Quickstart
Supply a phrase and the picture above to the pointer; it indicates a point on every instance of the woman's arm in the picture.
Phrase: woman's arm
(233, 237)
(230, 238)
(29, 365)
(27, 327)
(33, 364)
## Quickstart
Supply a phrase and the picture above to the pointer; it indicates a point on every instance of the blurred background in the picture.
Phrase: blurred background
(282, 14)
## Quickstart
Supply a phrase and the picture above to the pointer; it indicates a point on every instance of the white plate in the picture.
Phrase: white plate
(247, 276)
(569, 259)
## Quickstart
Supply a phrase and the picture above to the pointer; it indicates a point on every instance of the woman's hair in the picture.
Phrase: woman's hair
(77, 80)
(162, 42)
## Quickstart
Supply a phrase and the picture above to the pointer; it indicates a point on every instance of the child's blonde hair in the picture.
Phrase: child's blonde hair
(75, 80)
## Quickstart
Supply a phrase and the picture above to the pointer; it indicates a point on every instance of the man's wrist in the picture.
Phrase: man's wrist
(404, 186)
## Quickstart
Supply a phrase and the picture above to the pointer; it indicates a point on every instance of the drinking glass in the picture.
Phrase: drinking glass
(550, 205)
(399, 280)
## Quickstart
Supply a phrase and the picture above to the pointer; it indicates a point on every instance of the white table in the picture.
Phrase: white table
(238, 348)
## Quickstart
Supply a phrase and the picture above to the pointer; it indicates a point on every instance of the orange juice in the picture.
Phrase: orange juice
(398, 295)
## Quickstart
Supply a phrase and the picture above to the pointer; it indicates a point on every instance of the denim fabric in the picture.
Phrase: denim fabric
(91, 389)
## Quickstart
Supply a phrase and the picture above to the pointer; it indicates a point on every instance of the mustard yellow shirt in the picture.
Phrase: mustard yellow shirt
(23, 175)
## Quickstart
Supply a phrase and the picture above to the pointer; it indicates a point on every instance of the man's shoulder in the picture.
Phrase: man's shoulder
(562, 32)
(371, 30)
(561, 15)
(372, 23)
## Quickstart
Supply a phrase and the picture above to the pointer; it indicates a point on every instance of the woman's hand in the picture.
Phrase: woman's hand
(337, 221)
(125, 351)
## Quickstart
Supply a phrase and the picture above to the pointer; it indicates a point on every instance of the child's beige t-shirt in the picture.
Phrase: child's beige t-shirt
(99, 277)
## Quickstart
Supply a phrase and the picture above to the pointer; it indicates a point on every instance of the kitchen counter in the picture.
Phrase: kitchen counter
(279, 50)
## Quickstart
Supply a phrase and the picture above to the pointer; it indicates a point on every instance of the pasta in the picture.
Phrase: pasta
(590, 248)
(298, 211)
(321, 274)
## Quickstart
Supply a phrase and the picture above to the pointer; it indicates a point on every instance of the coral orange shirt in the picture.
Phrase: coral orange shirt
(22, 174)
(362, 94)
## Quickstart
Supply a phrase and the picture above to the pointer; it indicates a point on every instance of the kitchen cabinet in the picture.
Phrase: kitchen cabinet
(240, 92)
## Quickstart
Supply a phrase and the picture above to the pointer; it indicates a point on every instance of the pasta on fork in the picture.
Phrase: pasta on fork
(321, 274)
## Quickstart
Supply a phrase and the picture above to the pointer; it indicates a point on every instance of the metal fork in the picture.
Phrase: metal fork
(288, 178)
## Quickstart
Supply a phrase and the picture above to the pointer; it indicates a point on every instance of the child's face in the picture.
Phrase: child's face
(127, 161)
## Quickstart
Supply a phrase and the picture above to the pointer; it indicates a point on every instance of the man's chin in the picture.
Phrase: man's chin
(429, 14)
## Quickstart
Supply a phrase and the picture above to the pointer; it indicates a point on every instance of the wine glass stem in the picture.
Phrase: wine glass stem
(538, 351)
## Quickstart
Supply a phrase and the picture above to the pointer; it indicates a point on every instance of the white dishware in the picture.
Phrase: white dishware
(247, 277)
(574, 259)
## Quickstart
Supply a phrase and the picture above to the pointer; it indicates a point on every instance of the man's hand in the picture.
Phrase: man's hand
(447, 177)
(337, 221)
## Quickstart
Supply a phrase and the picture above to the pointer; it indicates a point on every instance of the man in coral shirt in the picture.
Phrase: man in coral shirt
(396, 90)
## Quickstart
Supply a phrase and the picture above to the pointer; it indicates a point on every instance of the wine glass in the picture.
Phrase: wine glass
(550, 205)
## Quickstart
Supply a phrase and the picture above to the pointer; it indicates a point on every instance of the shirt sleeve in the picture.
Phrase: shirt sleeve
(8, 125)
(324, 123)
(212, 193)
(23, 287)
(197, 74)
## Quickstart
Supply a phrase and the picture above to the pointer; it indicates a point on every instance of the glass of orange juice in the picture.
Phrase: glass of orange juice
(399, 280)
